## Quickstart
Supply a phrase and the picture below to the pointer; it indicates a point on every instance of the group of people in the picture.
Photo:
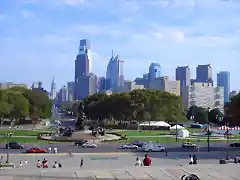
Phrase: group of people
(146, 161)
(44, 164)
(54, 150)
(193, 159)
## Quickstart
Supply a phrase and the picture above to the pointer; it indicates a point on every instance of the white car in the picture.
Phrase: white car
(89, 145)
(153, 147)
(129, 146)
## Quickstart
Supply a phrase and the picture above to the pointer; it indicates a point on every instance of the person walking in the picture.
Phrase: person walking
(21, 163)
(191, 159)
(236, 159)
(25, 162)
(194, 159)
(138, 162)
(81, 163)
(49, 149)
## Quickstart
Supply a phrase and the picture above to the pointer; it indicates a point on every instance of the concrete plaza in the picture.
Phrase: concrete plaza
(204, 172)
(103, 160)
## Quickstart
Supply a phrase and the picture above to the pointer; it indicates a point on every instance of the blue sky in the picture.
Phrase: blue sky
(39, 39)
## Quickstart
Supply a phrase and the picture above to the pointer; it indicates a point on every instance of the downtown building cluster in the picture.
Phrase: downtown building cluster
(200, 91)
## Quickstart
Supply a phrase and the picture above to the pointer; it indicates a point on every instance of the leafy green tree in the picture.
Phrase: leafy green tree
(232, 111)
(20, 105)
(214, 116)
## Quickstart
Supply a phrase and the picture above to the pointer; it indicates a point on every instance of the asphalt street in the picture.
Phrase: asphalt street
(105, 148)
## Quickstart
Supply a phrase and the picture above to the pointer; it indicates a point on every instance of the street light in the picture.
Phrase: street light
(208, 131)
(178, 106)
(8, 135)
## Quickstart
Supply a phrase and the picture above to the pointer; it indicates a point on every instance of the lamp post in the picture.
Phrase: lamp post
(227, 134)
(208, 131)
(8, 158)
(178, 106)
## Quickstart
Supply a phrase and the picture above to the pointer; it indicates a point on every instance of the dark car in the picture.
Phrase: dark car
(138, 143)
(235, 144)
(80, 142)
(14, 145)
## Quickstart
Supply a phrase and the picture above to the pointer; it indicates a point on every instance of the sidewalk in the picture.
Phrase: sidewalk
(205, 172)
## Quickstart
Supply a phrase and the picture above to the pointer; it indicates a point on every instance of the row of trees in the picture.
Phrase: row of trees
(140, 105)
(17, 103)
(203, 115)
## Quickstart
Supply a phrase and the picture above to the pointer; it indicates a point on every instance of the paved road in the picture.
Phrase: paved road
(103, 148)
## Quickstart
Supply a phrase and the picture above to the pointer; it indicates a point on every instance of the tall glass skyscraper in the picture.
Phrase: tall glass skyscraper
(223, 80)
(183, 75)
(204, 73)
(114, 72)
(154, 71)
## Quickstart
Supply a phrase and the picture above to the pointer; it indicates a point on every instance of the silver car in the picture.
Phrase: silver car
(129, 146)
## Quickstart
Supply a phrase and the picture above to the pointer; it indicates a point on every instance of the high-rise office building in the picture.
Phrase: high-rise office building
(53, 89)
(71, 87)
(63, 94)
(114, 72)
(204, 73)
(85, 86)
(154, 71)
(223, 80)
(82, 67)
(183, 75)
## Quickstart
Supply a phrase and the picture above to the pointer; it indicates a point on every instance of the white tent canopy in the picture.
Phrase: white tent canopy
(176, 127)
(155, 123)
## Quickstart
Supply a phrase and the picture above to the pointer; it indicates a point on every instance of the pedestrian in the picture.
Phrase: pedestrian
(38, 164)
(81, 163)
(55, 165)
(138, 162)
(25, 162)
(59, 165)
(239, 158)
(1, 160)
(194, 159)
(191, 159)
(49, 149)
(147, 160)
(21, 163)
(55, 150)
(166, 152)
(236, 159)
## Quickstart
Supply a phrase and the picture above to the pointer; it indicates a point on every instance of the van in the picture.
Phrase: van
(153, 147)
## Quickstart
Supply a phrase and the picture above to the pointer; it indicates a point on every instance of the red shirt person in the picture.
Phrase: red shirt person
(147, 160)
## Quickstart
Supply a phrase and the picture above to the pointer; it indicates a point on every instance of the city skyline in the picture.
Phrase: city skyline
(45, 42)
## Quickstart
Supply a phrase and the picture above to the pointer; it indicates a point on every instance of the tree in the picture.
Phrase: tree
(5, 107)
(232, 111)
(20, 106)
(81, 117)
(192, 111)
(214, 116)
(201, 116)
(135, 105)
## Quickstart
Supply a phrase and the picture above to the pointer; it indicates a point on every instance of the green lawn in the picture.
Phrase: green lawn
(152, 132)
(27, 140)
(17, 132)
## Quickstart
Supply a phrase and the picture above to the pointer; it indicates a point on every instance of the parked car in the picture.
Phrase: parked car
(36, 150)
(129, 146)
(14, 145)
(189, 145)
(153, 147)
(80, 142)
(235, 144)
(89, 145)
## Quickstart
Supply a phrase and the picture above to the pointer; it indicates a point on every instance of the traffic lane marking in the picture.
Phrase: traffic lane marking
(66, 154)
